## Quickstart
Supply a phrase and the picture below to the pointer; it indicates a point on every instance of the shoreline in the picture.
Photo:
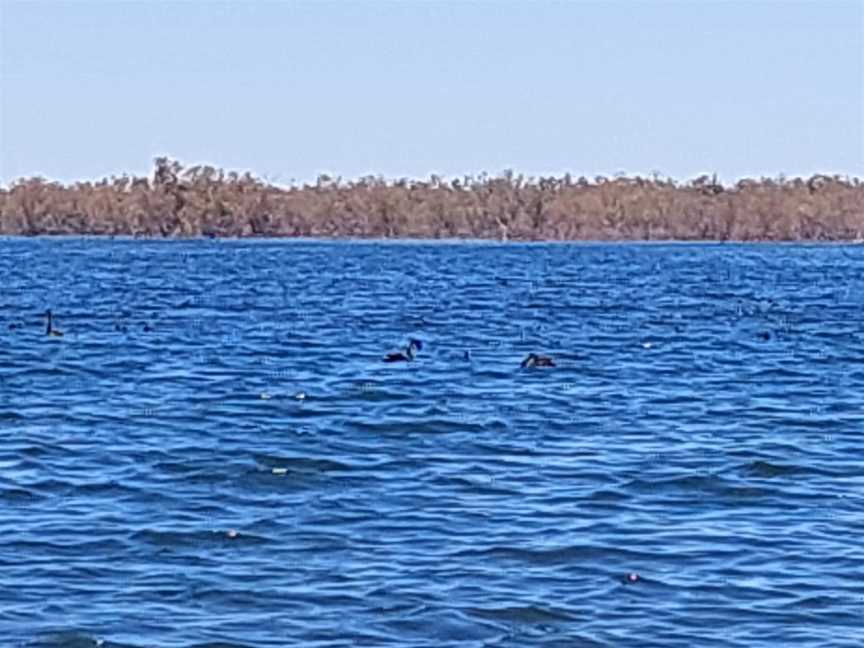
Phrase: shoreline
(395, 241)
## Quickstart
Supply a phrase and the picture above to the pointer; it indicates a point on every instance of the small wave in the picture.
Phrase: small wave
(527, 614)
(220, 644)
(19, 495)
(561, 555)
(74, 639)
(761, 468)
(302, 465)
(198, 538)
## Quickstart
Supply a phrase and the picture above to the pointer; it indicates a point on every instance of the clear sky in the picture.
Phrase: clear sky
(289, 90)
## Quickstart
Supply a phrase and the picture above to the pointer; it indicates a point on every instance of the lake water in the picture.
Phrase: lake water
(163, 481)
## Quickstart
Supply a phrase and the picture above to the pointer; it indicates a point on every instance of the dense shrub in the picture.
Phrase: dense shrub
(203, 201)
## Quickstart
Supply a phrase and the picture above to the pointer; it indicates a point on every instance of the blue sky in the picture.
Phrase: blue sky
(290, 90)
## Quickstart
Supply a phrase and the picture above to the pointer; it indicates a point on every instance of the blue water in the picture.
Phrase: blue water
(163, 482)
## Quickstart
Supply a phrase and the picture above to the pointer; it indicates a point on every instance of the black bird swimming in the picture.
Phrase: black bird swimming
(534, 360)
(49, 328)
(408, 354)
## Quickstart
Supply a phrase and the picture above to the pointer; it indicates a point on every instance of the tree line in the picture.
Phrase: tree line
(203, 201)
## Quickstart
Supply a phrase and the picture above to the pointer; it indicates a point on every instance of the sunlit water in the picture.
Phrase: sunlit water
(163, 481)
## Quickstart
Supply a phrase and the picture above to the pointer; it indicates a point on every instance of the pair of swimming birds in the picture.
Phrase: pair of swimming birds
(415, 345)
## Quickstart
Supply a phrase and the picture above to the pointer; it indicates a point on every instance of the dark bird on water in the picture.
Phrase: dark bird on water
(49, 327)
(534, 360)
(408, 354)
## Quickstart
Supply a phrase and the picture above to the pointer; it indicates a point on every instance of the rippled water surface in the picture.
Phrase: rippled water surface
(164, 481)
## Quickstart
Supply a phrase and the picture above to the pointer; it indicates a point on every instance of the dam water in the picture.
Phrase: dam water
(213, 453)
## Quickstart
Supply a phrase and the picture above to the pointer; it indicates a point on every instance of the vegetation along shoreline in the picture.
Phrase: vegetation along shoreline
(202, 201)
